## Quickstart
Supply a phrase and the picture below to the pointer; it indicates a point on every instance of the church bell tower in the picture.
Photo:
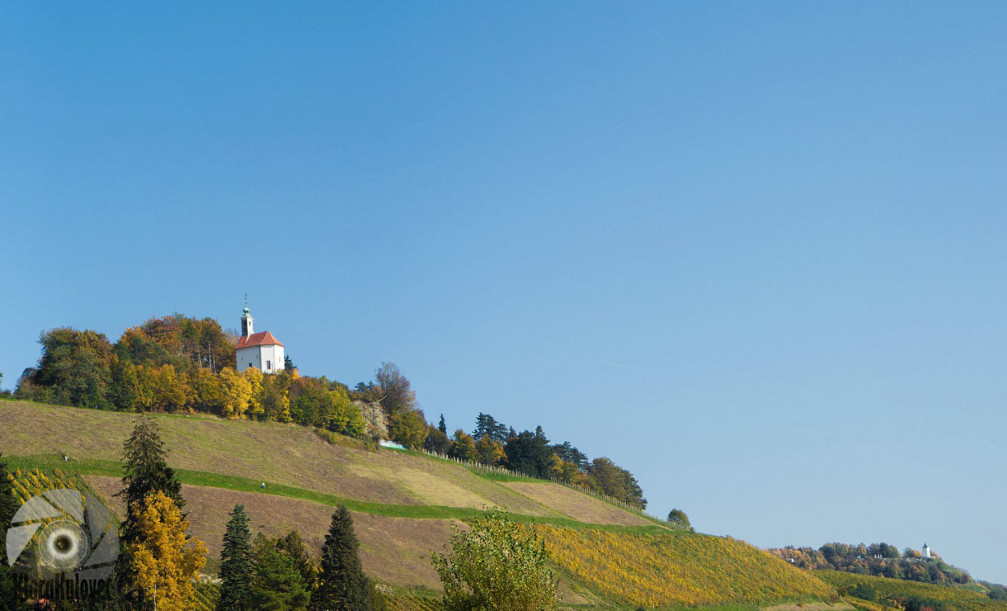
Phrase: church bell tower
(246, 321)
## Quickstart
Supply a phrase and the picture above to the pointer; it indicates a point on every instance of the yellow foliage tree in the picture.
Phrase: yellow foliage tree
(254, 377)
(235, 393)
(161, 561)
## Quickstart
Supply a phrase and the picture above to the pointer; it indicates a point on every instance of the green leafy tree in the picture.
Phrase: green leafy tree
(496, 565)
(75, 367)
(293, 547)
(678, 519)
(235, 563)
(617, 482)
(436, 441)
(276, 583)
(342, 585)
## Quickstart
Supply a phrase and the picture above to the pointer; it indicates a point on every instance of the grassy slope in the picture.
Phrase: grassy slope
(404, 504)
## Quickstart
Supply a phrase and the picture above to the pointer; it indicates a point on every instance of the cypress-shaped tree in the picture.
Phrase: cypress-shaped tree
(235, 563)
(342, 585)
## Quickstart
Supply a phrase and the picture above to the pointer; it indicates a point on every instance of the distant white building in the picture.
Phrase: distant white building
(926, 551)
(260, 350)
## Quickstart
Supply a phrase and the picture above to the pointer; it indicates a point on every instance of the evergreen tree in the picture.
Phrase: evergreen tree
(276, 584)
(442, 426)
(235, 563)
(8, 507)
(342, 585)
(147, 472)
(293, 547)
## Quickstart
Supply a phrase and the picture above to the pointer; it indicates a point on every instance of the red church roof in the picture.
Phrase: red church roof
(265, 338)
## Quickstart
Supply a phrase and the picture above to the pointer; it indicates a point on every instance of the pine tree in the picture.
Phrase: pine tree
(235, 563)
(147, 472)
(342, 585)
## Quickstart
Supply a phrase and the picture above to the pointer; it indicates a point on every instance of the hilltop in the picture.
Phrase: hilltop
(404, 505)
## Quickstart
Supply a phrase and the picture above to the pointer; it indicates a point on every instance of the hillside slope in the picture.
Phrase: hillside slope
(404, 506)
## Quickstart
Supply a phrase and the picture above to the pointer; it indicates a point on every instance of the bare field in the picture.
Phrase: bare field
(393, 550)
(573, 504)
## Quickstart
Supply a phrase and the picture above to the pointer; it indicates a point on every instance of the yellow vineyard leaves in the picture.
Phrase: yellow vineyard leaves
(676, 569)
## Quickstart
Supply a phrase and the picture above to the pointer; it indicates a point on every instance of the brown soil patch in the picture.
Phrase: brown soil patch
(577, 505)
(393, 550)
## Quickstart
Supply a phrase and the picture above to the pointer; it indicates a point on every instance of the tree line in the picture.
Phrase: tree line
(182, 364)
(878, 559)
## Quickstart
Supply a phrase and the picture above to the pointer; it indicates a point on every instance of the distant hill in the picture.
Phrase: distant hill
(404, 505)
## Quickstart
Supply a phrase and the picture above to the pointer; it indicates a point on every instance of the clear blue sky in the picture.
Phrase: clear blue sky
(753, 252)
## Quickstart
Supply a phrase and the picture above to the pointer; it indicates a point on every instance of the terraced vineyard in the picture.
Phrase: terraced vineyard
(676, 569)
(891, 590)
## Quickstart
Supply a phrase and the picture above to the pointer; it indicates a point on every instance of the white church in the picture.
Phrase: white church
(260, 350)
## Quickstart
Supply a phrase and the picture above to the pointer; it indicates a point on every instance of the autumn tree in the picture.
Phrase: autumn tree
(396, 393)
(497, 564)
(409, 428)
(164, 561)
(236, 391)
(235, 563)
(462, 447)
(491, 451)
(341, 584)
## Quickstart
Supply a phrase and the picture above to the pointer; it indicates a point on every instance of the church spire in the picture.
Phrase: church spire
(246, 320)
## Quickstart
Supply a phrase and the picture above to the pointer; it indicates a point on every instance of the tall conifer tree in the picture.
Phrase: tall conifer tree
(146, 473)
(147, 470)
(236, 563)
(342, 585)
